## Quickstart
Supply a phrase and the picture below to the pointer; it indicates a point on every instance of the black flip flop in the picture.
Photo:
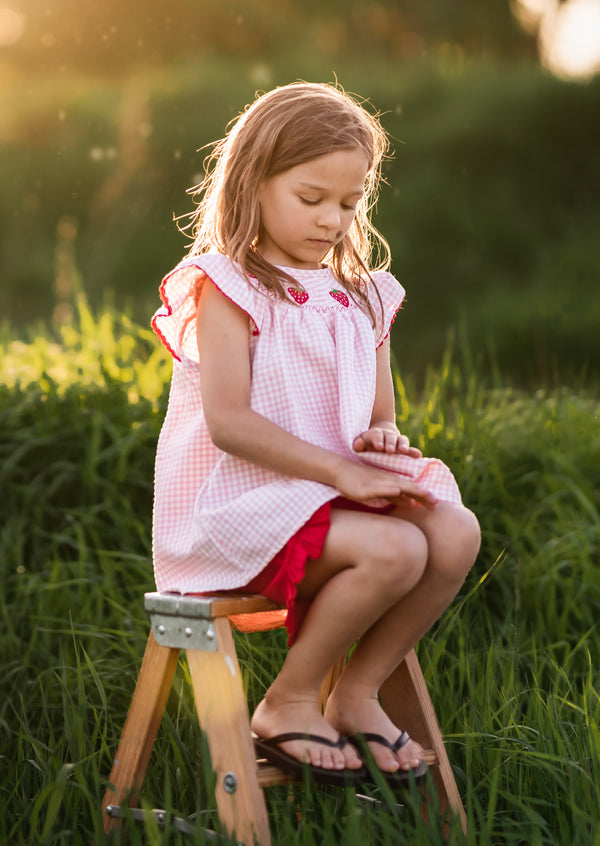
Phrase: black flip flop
(269, 748)
(399, 778)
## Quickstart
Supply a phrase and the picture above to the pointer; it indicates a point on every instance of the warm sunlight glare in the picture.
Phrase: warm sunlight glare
(12, 24)
(570, 39)
(530, 12)
(568, 34)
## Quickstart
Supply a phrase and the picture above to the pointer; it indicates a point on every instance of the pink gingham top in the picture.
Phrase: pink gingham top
(218, 520)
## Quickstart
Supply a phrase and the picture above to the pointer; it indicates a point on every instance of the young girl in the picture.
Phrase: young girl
(280, 469)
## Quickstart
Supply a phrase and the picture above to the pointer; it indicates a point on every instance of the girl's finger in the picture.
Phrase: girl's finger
(415, 492)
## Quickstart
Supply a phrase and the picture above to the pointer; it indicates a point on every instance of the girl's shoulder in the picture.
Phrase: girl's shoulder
(225, 273)
(388, 286)
(184, 282)
(213, 264)
(378, 283)
(180, 291)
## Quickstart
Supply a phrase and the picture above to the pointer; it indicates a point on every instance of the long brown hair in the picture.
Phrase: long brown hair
(283, 128)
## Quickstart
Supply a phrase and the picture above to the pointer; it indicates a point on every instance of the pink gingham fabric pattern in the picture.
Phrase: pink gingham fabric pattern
(218, 520)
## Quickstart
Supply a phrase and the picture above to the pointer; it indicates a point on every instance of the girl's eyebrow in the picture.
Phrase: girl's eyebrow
(311, 187)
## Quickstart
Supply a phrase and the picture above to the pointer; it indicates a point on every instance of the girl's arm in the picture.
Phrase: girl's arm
(383, 434)
(223, 345)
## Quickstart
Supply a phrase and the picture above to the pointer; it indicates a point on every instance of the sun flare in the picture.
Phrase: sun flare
(12, 26)
(568, 34)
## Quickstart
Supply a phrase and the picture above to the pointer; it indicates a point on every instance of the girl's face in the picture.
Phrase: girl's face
(307, 210)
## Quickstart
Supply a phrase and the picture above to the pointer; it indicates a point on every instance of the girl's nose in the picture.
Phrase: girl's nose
(329, 217)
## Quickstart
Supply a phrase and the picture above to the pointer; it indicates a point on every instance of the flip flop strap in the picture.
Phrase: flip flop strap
(299, 735)
(371, 737)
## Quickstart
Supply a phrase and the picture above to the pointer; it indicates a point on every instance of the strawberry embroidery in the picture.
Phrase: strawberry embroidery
(299, 296)
(340, 296)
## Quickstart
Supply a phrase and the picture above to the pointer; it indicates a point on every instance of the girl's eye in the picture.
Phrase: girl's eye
(345, 206)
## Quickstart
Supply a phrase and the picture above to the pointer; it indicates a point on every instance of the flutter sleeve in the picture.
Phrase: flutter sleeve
(386, 297)
(174, 322)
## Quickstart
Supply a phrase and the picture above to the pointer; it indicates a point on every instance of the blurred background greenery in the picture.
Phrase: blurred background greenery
(492, 207)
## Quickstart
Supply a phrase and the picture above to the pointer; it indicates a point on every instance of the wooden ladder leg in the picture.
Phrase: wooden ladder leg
(139, 732)
(223, 716)
(406, 700)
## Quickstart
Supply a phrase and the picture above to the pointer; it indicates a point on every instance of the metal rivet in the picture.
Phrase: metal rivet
(187, 631)
(160, 816)
(161, 630)
(229, 782)
(210, 633)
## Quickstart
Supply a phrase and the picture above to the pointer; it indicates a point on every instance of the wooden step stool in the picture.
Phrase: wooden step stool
(202, 625)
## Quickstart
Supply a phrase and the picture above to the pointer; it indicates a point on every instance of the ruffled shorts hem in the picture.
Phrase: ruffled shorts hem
(280, 578)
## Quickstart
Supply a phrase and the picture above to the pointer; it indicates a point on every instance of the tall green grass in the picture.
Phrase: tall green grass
(512, 667)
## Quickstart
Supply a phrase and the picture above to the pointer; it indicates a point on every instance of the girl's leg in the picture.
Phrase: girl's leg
(369, 563)
(452, 535)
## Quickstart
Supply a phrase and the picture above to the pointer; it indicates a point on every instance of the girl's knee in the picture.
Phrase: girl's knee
(400, 555)
(460, 539)
(468, 534)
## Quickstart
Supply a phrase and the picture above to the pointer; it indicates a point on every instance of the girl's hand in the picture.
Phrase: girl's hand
(385, 438)
(363, 484)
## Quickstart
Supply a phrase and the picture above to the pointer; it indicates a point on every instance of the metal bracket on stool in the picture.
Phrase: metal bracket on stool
(162, 818)
(184, 622)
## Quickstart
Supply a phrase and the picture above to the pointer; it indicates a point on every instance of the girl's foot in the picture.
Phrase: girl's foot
(355, 716)
(278, 716)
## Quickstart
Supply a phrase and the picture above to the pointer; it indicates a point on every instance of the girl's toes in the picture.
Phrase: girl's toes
(315, 758)
(410, 757)
(389, 764)
(384, 760)
(408, 765)
(351, 759)
(328, 760)
(337, 760)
